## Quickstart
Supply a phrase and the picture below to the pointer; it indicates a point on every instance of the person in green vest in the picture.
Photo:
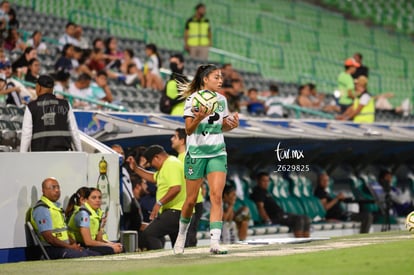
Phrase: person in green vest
(48, 220)
(362, 109)
(197, 34)
(87, 225)
(346, 87)
(171, 87)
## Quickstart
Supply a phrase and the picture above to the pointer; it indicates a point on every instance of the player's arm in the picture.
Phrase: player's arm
(191, 123)
(262, 212)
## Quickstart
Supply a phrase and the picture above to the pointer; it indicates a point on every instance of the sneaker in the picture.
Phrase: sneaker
(179, 244)
(130, 79)
(218, 250)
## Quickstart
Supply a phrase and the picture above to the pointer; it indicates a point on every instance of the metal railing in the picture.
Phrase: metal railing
(232, 56)
(71, 97)
(288, 25)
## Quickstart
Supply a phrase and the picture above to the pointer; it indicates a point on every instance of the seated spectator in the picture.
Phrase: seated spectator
(13, 42)
(101, 87)
(64, 62)
(234, 219)
(13, 21)
(13, 87)
(10, 91)
(255, 106)
(232, 78)
(87, 225)
(4, 17)
(401, 202)
(48, 220)
(152, 67)
(83, 42)
(33, 71)
(61, 82)
(36, 43)
(81, 87)
(304, 98)
(113, 54)
(131, 65)
(363, 108)
(382, 104)
(69, 36)
(20, 65)
(272, 213)
(273, 104)
(318, 100)
(334, 209)
(136, 218)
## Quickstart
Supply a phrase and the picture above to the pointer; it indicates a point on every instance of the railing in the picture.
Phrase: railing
(376, 51)
(71, 97)
(327, 83)
(288, 24)
(224, 54)
(227, 6)
(108, 22)
(298, 110)
(150, 13)
(249, 40)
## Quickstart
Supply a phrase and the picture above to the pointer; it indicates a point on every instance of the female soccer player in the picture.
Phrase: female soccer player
(206, 153)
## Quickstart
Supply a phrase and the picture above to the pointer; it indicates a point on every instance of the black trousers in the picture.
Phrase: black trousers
(191, 239)
(165, 224)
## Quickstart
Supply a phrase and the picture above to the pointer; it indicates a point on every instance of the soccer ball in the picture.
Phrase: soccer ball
(409, 222)
(207, 99)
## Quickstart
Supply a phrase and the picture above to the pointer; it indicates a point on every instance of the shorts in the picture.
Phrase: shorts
(196, 168)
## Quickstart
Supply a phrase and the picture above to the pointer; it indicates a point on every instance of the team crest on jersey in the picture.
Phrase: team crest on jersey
(220, 107)
(190, 171)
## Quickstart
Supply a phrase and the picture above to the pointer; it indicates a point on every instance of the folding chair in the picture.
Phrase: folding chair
(33, 242)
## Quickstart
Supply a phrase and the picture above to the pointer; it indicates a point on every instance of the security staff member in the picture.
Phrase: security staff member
(48, 221)
(48, 122)
(197, 35)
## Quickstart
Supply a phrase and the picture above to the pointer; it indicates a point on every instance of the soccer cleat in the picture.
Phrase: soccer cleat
(179, 244)
(218, 250)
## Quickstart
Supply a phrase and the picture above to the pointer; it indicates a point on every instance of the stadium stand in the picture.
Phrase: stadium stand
(284, 42)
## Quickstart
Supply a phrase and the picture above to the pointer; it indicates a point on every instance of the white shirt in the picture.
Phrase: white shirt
(364, 99)
(67, 39)
(41, 49)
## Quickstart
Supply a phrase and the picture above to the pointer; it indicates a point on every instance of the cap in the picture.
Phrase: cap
(46, 81)
(3, 77)
(361, 80)
(351, 62)
(151, 151)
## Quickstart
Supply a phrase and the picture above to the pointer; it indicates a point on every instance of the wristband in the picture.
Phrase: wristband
(159, 203)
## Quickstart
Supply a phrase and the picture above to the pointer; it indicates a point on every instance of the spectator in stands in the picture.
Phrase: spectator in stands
(13, 42)
(334, 208)
(69, 36)
(113, 54)
(272, 213)
(83, 42)
(64, 62)
(206, 154)
(4, 17)
(81, 88)
(318, 99)
(197, 34)
(20, 65)
(178, 143)
(98, 43)
(169, 178)
(49, 123)
(362, 69)
(273, 104)
(152, 67)
(132, 66)
(171, 87)
(255, 106)
(234, 219)
(127, 194)
(48, 220)
(36, 43)
(33, 71)
(13, 21)
(101, 87)
(232, 78)
(346, 87)
(87, 224)
(136, 218)
(9, 88)
(401, 202)
(61, 81)
(363, 108)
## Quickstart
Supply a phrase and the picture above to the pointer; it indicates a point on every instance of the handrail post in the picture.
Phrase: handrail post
(259, 27)
(34, 4)
(248, 47)
(376, 58)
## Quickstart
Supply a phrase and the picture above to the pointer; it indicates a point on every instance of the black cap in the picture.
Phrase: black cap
(46, 81)
(151, 151)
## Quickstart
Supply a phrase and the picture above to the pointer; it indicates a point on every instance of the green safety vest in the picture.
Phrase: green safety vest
(367, 114)
(57, 215)
(198, 33)
(94, 225)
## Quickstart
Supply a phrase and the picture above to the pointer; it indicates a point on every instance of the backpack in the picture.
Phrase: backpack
(167, 103)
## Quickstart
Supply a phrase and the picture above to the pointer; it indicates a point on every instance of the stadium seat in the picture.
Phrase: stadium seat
(35, 249)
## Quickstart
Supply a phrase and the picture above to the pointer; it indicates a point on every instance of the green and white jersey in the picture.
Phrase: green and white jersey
(207, 140)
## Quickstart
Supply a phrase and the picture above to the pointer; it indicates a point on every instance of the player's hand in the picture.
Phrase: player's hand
(201, 112)
(231, 122)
